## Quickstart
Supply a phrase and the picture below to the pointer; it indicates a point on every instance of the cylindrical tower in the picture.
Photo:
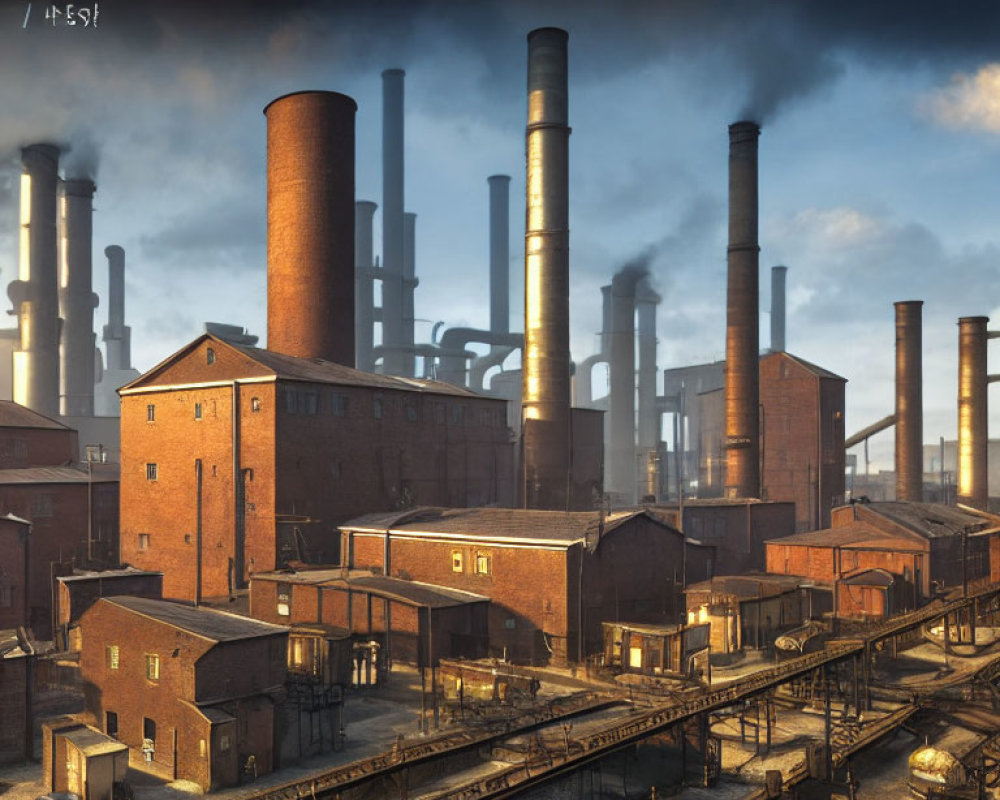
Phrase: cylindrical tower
(972, 412)
(622, 478)
(364, 288)
(909, 402)
(117, 335)
(310, 226)
(410, 283)
(77, 300)
(742, 299)
(545, 386)
(499, 253)
(778, 275)
(393, 356)
(648, 428)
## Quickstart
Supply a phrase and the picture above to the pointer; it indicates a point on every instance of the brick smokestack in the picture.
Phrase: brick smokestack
(310, 226)
(909, 402)
(742, 301)
(546, 385)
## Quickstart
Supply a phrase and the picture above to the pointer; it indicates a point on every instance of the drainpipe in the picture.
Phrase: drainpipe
(239, 507)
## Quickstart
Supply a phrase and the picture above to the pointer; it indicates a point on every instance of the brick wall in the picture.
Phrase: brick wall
(13, 580)
(37, 447)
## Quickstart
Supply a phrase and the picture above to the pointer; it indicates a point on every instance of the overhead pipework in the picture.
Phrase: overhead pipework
(742, 396)
(546, 363)
(77, 300)
(778, 276)
(310, 226)
(35, 294)
(973, 489)
(365, 274)
(909, 402)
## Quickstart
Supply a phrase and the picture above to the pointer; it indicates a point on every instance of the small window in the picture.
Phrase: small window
(310, 403)
(111, 724)
(151, 472)
(255, 404)
(377, 408)
(152, 666)
(187, 538)
(482, 564)
(202, 748)
(150, 413)
(456, 561)
(210, 356)
(411, 413)
(439, 413)
(112, 654)
(197, 410)
(223, 743)
(143, 541)
(291, 401)
(510, 623)
(284, 600)
(338, 405)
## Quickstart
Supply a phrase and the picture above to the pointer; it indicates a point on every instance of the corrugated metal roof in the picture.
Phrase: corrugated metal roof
(91, 575)
(30, 475)
(208, 623)
(857, 535)
(13, 415)
(933, 520)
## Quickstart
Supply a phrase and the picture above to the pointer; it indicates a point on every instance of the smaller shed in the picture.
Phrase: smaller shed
(866, 594)
(656, 649)
(82, 761)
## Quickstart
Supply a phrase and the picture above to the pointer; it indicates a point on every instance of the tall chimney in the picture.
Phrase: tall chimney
(499, 253)
(393, 358)
(621, 365)
(35, 293)
(117, 335)
(77, 300)
(646, 301)
(409, 284)
(310, 226)
(742, 298)
(909, 402)
(545, 387)
(364, 287)
(778, 275)
(973, 489)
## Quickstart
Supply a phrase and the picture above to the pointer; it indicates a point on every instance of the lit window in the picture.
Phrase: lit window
(112, 652)
(284, 600)
(482, 564)
(202, 748)
(197, 410)
(151, 472)
(150, 413)
(255, 404)
(143, 541)
(210, 356)
(152, 667)
(456, 560)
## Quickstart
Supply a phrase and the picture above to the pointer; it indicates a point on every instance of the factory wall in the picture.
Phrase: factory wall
(14, 565)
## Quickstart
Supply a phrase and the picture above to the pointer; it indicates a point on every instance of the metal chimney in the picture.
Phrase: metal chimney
(364, 286)
(35, 293)
(545, 387)
(778, 275)
(646, 301)
(310, 226)
(77, 300)
(742, 298)
(909, 402)
(117, 335)
(621, 441)
(499, 253)
(973, 489)
(393, 358)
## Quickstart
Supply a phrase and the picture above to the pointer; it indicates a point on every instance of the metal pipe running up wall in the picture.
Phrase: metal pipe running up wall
(546, 366)
(972, 412)
(909, 402)
(742, 298)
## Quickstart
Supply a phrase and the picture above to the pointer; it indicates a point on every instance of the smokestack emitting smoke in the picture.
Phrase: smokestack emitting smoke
(393, 357)
(909, 402)
(35, 293)
(778, 275)
(648, 431)
(742, 298)
(972, 412)
(499, 253)
(545, 387)
(310, 226)
(77, 300)
(621, 364)
(364, 290)
(117, 335)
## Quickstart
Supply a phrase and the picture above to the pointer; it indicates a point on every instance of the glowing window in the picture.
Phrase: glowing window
(255, 404)
(456, 561)
(482, 564)
(152, 666)
(112, 653)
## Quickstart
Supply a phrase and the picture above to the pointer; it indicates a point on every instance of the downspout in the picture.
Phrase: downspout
(198, 531)
(579, 601)
(239, 507)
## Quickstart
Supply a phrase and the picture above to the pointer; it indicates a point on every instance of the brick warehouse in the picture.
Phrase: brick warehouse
(159, 677)
(551, 575)
(238, 459)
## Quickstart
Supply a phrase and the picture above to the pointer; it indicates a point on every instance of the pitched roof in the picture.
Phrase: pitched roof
(13, 415)
(217, 626)
(816, 370)
(856, 536)
(874, 576)
(269, 366)
(748, 587)
(515, 525)
(32, 475)
(933, 520)
(105, 574)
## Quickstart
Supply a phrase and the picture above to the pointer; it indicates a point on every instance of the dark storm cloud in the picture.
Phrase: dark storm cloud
(207, 238)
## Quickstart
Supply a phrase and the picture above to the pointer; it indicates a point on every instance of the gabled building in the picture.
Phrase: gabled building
(193, 692)
(553, 576)
(237, 459)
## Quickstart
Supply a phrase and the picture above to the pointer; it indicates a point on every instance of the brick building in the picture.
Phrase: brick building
(553, 577)
(237, 459)
(77, 592)
(16, 678)
(29, 439)
(15, 566)
(195, 692)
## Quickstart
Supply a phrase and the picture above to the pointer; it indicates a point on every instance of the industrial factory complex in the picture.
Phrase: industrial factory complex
(354, 564)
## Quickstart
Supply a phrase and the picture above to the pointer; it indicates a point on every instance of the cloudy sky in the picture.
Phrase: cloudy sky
(879, 158)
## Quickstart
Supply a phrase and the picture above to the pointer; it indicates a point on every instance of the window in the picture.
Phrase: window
(197, 410)
(187, 538)
(456, 561)
(510, 623)
(255, 404)
(310, 402)
(152, 667)
(482, 564)
(151, 472)
(112, 654)
(210, 356)
(111, 724)
(457, 414)
(411, 413)
(150, 413)
(338, 405)
(202, 748)
(41, 506)
(284, 599)
(291, 401)
(377, 408)
(143, 541)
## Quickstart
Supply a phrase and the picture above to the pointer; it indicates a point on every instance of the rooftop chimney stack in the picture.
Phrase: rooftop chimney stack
(909, 402)
(393, 356)
(778, 275)
(35, 293)
(546, 385)
(310, 226)
(742, 299)
(117, 335)
(972, 412)
(499, 253)
(77, 300)
(364, 290)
